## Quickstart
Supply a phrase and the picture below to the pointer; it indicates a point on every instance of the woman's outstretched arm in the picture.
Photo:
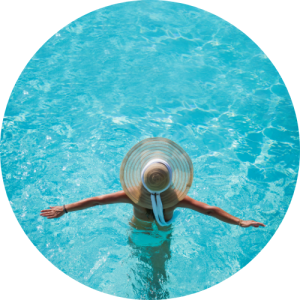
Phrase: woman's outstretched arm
(216, 212)
(222, 215)
(58, 211)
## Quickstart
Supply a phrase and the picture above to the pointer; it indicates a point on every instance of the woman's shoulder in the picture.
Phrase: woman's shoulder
(193, 204)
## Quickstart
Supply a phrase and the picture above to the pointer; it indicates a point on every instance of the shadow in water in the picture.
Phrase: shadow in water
(151, 251)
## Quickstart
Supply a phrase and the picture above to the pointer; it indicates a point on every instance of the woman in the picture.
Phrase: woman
(156, 175)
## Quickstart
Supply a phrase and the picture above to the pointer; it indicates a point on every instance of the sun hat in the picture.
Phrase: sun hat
(156, 173)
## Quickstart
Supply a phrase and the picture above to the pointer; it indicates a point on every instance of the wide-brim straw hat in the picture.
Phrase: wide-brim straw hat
(142, 153)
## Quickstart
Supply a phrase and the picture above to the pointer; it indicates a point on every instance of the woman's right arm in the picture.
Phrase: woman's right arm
(198, 206)
(58, 211)
(216, 212)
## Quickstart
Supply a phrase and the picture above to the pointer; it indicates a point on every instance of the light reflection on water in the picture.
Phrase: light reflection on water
(132, 71)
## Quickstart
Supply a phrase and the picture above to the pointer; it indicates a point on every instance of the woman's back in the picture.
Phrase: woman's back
(147, 215)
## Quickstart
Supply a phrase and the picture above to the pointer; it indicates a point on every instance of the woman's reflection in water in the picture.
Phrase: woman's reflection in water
(150, 244)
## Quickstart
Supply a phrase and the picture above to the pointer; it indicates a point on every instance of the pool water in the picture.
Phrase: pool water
(125, 73)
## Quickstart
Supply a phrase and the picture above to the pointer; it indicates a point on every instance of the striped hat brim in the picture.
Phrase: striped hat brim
(145, 151)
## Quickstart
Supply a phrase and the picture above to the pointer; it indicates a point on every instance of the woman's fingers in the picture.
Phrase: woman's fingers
(49, 213)
(47, 210)
(257, 224)
(252, 223)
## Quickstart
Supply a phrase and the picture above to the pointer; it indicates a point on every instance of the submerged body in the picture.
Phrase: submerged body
(151, 244)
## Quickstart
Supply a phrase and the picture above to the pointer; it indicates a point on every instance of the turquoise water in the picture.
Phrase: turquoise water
(125, 73)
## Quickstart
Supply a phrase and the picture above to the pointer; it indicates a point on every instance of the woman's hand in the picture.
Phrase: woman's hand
(251, 223)
(53, 212)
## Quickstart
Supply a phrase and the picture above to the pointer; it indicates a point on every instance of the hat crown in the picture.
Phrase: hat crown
(156, 177)
(137, 160)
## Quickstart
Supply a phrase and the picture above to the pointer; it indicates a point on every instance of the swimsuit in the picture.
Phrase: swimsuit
(151, 237)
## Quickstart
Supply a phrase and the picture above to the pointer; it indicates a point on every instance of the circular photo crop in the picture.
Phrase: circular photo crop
(150, 71)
